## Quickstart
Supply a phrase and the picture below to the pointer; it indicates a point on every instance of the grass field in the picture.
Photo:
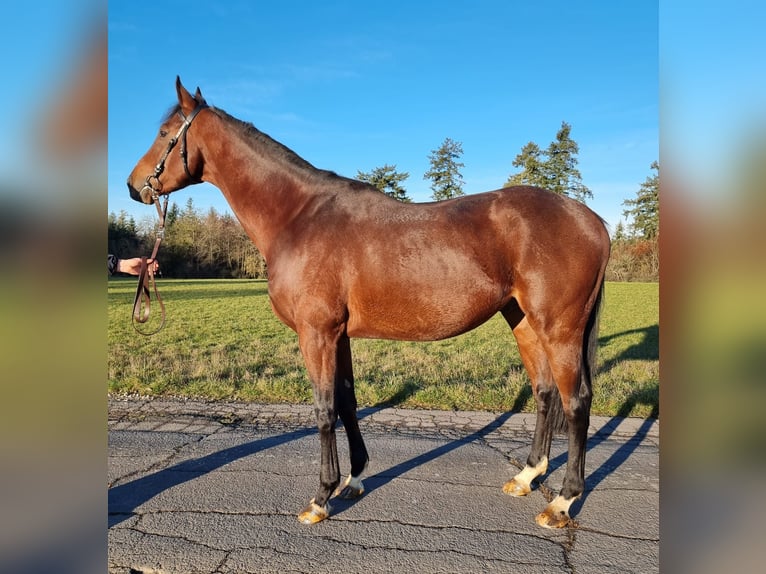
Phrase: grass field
(222, 341)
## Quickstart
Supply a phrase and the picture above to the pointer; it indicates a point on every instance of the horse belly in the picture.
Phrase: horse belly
(422, 311)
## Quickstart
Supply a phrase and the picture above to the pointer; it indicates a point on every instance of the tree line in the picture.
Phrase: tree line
(215, 245)
(635, 246)
(195, 244)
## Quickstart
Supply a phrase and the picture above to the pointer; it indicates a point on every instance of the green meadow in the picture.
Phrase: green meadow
(222, 341)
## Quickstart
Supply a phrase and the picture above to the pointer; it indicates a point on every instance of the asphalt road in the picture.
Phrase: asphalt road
(216, 487)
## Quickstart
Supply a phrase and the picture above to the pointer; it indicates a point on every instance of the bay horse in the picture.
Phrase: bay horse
(345, 260)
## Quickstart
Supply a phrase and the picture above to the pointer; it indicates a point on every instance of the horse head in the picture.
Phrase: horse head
(160, 171)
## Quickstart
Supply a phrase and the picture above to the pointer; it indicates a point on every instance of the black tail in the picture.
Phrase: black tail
(555, 419)
(590, 344)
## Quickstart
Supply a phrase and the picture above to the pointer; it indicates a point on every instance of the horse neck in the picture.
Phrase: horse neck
(265, 192)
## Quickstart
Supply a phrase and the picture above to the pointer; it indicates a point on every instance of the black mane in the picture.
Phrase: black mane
(276, 149)
(281, 151)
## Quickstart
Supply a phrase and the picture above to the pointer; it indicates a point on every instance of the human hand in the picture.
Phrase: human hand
(133, 265)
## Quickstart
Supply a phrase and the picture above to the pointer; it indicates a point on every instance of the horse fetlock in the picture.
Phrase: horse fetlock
(351, 488)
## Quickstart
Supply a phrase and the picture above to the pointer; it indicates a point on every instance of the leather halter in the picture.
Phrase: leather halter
(146, 282)
(160, 167)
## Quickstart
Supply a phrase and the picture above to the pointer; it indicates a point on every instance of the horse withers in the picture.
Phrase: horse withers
(347, 261)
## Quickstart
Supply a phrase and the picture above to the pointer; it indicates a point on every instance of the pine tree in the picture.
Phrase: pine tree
(533, 167)
(554, 169)
(563, 176)
(122, 235)
(619, 233)
(447, 182)
(644, 209)
(387, 180)
(172, 215)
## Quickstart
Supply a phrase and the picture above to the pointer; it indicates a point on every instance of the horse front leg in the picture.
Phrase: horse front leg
(319, 349)
(352, 487)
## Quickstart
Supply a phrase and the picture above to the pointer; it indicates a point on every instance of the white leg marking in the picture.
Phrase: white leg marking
(519, 485)
(529, 473)
(560, 505)
(355, 482)
(352, 487)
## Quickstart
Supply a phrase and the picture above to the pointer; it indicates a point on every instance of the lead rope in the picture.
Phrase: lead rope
(146, 283)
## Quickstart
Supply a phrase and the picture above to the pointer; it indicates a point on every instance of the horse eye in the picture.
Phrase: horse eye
(163, 133)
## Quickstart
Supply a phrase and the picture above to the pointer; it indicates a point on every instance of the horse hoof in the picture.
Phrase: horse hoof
(550, 518)
(352, 488)
(314, 513)
(516, 488)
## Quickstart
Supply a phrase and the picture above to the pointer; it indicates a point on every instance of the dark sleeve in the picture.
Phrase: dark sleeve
(111, 263)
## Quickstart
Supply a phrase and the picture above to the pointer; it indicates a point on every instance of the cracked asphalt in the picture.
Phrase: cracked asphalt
(215, 487)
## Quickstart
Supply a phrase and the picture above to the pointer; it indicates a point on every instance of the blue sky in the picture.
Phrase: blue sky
(355, 85)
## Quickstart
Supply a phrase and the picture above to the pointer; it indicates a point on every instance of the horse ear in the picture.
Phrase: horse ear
(198, 97)
(185, 99)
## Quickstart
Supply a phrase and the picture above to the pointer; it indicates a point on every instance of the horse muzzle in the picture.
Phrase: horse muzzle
(145, 195)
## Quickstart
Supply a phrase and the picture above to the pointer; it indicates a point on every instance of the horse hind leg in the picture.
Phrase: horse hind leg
(576, 400)
(549, 416)
(573, 365)
(352, 487)
(563, 405)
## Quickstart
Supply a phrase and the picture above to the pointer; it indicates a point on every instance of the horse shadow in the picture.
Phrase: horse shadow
(125, 498)
(383, 477)
(647, 349)
(595, 477)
